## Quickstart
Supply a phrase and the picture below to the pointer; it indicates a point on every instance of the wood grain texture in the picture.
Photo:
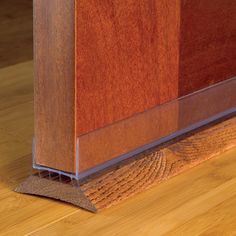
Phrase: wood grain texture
(205, 203)
(13, 92)
(132, 56)
(141, 172)
(207, 43)
(127, 58)
(16, 32)
(54, 83)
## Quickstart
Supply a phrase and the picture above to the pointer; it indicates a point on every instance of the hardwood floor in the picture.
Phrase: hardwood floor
(201, 201)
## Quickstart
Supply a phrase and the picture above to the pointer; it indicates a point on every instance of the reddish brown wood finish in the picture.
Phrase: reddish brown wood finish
(54, 84)
(127, 58)
(130, 54)
(207, 43)
(123, 137)
(101, 61)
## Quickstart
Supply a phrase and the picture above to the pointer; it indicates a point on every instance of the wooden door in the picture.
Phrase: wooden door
(102, 62)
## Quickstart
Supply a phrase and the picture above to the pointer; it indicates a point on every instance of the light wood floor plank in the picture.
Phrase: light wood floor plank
(17, 121)
(219, 220)
(163, 208)
(16, 84)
